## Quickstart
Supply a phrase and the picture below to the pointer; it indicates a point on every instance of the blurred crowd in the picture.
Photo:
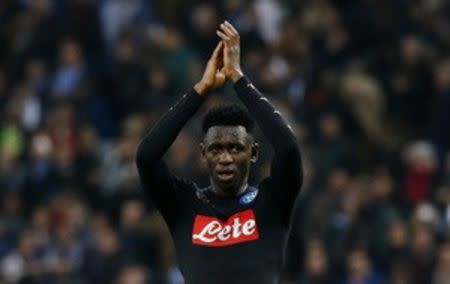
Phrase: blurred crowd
(364, 84)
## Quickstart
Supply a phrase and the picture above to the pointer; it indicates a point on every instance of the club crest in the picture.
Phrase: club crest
(248, 197)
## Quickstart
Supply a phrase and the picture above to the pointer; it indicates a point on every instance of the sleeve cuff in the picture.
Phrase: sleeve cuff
(242, 83)
(195, 96)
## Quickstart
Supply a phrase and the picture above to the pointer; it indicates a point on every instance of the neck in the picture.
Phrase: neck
(223, 193)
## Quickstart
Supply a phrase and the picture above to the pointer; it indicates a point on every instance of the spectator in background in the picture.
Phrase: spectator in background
(396, 251)
(134, 274)
(40, 226)
(178, 58)
(12, 136)
(332, 148)
(442, 271)
(11, 222)
(401, 273)
(442, 196)
(440, 115)
(182, 153)
(324, 202)
(360, 269)
(83, 23)
(203, 20)
(138, 241)
(12, 171)
(119, 164)
(28, 107)
(413, 57)
(128, 80)
(387, 230)
(422, 248)
(366, 100)
(42, 179)
(420, 172)
(160, 87)
(36, 34)
(317, 269)
(36, 78)
(21, 262)
(106, 256)
(70, 81)
(88, 169)
(269, 16)
(118, 16)
(3, 87)
(63, 256)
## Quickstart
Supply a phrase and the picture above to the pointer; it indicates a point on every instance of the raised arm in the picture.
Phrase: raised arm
(156, 177)
(286, 172)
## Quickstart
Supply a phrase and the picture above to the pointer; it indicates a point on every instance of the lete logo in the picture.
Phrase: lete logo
(240, 227)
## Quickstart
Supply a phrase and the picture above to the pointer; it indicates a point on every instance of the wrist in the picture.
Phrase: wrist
(235, 75)
(200, 88)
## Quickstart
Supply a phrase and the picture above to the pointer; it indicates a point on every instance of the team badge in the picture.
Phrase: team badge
(248, 197)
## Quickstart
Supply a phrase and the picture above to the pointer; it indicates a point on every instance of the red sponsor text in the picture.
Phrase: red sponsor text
(210, 231)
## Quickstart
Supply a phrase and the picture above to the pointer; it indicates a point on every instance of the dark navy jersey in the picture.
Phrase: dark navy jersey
(225, 239)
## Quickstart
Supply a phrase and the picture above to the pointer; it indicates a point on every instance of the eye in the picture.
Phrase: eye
(236, 148)
(214, 150)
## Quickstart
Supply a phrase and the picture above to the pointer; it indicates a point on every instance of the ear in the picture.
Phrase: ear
(202, 151)
(255, 148)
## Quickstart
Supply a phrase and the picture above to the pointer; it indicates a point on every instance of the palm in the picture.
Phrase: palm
(213, 77)
(231, 50)
(227, 63)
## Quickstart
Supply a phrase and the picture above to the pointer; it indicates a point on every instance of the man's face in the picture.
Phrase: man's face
(228, 152)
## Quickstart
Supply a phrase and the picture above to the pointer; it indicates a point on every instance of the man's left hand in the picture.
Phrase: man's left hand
(231, 52)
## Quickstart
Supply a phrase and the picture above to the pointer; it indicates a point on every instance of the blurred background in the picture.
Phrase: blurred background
(365, 84)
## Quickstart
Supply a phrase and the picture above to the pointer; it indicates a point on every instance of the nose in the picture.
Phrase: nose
(225, 158)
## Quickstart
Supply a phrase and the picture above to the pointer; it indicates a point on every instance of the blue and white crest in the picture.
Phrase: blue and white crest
(248, 197)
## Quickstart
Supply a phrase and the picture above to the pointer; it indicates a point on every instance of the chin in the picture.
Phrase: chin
(231, 193)
(228, 187)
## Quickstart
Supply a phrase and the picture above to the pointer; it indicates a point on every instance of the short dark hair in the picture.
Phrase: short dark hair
(227, 115)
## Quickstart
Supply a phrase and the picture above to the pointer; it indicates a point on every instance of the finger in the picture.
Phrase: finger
(219, 58)
(215, 57)
(223, 36)
(217, 50)
(231, 27)
(227, 30)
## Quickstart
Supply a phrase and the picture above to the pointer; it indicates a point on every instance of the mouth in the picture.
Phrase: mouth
(225, 175)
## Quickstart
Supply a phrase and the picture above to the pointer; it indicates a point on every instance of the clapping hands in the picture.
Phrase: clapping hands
(224, 62)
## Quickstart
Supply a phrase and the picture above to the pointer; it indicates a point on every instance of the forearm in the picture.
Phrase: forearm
(286, 171)
(269, 120)
(163, 134)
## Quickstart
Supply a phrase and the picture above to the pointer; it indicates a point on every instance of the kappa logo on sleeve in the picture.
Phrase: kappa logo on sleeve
(240, 227)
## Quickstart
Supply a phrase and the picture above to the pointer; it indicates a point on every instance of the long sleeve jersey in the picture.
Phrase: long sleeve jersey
(225, 240)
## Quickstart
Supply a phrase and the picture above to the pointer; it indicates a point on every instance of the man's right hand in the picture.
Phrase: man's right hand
(212, 77)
